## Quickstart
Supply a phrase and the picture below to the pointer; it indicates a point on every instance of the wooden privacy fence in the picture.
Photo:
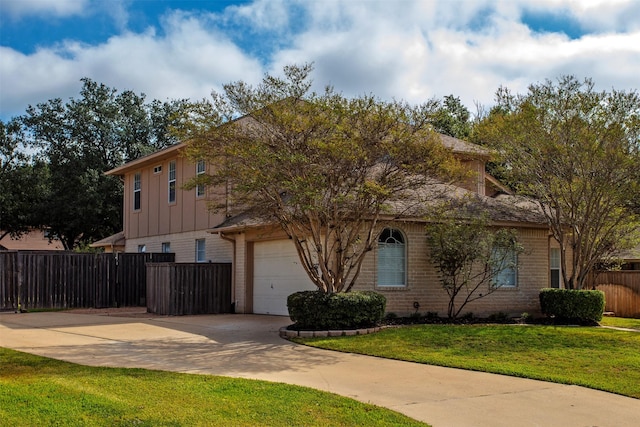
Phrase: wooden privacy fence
(182, 289)
(73, 280)
(621, 289)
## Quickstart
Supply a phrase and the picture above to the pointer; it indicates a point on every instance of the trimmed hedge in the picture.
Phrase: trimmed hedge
(315, 310)
(572, 305)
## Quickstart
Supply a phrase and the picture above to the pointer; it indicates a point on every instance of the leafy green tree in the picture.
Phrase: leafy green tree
(452, 118)
(81, 139)
(469, 254)
(576, 151)
(330, 171)
(21, 182)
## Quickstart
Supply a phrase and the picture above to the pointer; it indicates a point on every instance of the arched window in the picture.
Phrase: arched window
(392, 258)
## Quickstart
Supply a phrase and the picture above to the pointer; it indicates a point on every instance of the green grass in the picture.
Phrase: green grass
(621, 322)
(37, 391)
(598, 358)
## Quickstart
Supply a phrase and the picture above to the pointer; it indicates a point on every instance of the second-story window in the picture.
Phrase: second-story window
(137, 191)
(200, 169)
(172, 181)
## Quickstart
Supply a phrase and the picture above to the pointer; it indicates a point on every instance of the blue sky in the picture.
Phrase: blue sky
(404, 49)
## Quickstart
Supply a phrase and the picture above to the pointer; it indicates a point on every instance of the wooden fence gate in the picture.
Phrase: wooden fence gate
(621, 291)
(72, 280)
(189, 288)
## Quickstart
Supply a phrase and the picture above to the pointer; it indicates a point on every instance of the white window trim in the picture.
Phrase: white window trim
(558, 268)
(171, 182)
(514, 271)
(200, 189)
(404, 267)
(137, 190)
(202, 252)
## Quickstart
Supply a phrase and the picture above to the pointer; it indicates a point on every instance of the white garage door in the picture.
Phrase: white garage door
(277, 273)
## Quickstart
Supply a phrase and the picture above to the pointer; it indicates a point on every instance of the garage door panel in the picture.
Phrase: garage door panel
(277, 273)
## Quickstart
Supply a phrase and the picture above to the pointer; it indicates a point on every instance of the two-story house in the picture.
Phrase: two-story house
(159, 215)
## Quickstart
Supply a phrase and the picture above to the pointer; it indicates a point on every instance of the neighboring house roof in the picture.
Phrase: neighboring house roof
(114, 240)
(34, 240)
(631, 255)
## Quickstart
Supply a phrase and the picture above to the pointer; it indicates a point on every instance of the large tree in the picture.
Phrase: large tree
(575, 150)
(21, 182)
(328, 170)
(452, 118)
(81, 139)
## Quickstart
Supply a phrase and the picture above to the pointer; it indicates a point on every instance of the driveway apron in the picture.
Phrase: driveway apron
(249, 346)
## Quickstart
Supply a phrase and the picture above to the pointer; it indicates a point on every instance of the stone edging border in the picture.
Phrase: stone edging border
(288, 333)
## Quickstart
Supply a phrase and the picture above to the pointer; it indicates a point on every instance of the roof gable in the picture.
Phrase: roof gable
(148, 160)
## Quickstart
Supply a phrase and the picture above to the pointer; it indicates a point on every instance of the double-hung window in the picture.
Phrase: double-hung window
(505, 263)
(392, 259)
(201, 252)
(166, 247)
(554, 266)
(200, 170)
(172, 181)
(137, 191)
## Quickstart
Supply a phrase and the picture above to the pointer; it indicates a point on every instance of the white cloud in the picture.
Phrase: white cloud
(188, 62)
(596, 15)
(412, 50)
(467, 49)
(262, 14)
(22, 8)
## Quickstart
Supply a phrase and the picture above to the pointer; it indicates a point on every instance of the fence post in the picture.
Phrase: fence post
(20, 277)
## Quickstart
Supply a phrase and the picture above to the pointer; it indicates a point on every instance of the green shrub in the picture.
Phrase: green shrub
(572, 305)
(499, 317)
(391, 316)
(314, 310)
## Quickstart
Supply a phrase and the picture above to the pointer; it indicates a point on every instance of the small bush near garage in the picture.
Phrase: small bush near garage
(314, 310)
(564, 305)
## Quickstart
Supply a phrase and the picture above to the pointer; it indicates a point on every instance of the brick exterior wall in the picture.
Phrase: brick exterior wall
(243, 302)
(424, 287)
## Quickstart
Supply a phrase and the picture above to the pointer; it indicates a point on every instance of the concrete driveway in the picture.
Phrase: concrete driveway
(249, 346)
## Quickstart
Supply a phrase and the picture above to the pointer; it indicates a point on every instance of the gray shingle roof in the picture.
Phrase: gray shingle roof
(502, 209)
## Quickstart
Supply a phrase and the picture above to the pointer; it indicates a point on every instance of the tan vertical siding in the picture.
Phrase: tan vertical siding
(475, 182)
(155, 196)
(157, 216)
(187, 216)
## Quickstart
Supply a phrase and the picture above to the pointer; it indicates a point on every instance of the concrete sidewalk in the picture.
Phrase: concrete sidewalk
(249, 346)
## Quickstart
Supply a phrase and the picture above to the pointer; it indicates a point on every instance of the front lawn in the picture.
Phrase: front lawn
(621, 322)
(599, 358)
(37, 391)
